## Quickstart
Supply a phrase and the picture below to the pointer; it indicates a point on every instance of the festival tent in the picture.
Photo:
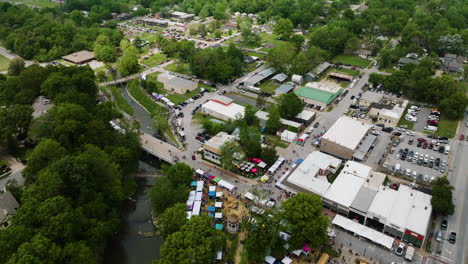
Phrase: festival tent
(262, 165)
(218, 215)
(218, 204)
(254, 170)
(193, 184)
(219, 194)
(270, 260)
(219, 226)
(196, 208)
(219, 255)
(227, 185)
(211, 178)
(217, 179)
(189, 214)
(212, 194)
(199, 186)
(212, 189)
(211, 215)
(211, 209)
(198, 196)
(286, 260)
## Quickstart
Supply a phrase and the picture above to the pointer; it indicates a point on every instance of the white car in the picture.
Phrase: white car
(399, 250)
(410, 133)
(375, 132)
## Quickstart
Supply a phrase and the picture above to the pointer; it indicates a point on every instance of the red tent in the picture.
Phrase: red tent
(254, 170)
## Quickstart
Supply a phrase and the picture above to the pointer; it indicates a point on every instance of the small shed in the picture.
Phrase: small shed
(288, 136)
(279, 78)
(298, 79)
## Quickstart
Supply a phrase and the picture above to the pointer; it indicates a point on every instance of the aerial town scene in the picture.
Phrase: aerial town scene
(233, 132)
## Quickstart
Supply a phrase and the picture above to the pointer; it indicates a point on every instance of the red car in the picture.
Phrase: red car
(462, 137)
(421, 140)
(193, 157)
(424, 146)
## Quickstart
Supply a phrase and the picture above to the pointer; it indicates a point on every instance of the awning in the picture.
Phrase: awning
(212, 189)
(286, 260)
(218, 215)
(219, 226)
(270, 259)
(218, 204)
(219, 194)
(363, 231)
(211, 209)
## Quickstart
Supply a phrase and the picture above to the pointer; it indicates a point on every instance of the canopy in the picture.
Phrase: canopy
(212, 189)
(189, 214)
(219, 226)
(196, 208)
(270, 259)
(198, 196)
(199, 186)
(276, 165)
(212, 194)
(297, 252)
(256, 160)
(218, 215)
(217, 179)
(262, 165)
(192, 193)
(211, 215)
(206, 175)
(226, 185)
(219, 194)
(254, 170)
(306, 248)
(211, 209)
(193, 184)
(298, 161)
(199, 172)
(218, 204)
(211, 177)
(264, 178)
(249, 195)
(364, 231)
(219, 255)
(286, 260)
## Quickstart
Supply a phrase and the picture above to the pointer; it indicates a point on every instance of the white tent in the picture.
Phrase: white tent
(288, 136)
(297, 252)
(249, 196)
(198, 196)
(262, 165)
(190, 201)
(189, 214)
(227, 185)
(196, 208)
(212, 189)
(218, 215)
(192, 193)
(219, 255)
(199, 172)
(199, 186)
(218, 204)
(270, 259)
(286, 260)
(219, 194)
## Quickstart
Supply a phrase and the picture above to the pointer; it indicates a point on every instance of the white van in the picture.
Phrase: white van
(409, 253)
(439, 236)
(447, 150)
(397, 167)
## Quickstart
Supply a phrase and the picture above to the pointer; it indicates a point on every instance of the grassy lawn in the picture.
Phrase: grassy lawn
(349, 72)
(207, 87)
(447, 128)
(344, 84)
(352, 60)
(154, 60)
(268, 86)
(272, 39)
(264, 49)
(250, 67)
(40, 3)
(120, 101)
(4, 62)
(256, 54)
(179, 67)
(276, 140)
(179, 98)
(66, 63)
(403, 121)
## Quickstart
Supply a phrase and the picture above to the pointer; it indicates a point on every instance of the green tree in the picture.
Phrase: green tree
(249, 116)
(300, 64)
(220, 12)
(164, 195)
(298, 41)
(442, 200)
(172, 219)
(304, 220)
(217, 33)
(273, 122)
(261, 237)
(250, 141)
(290, 105)
(283, 28)
(375, 79)
(16, 66)
(269, 155)
(46, 152)
(197, 242)
(180, 174)
(227, 151)
(281, 56)
(454, 105)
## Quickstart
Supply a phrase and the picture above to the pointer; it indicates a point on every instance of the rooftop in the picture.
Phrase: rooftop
(214, 144)
(280, 77)
(305, 115)
(285, 87)
(345, 188)
(372, 97)
(8, 205)
(363, 199)
(80, 56)
(222, 99)
(347, 132)
(317, 94)
(180, 82)
(232, 111)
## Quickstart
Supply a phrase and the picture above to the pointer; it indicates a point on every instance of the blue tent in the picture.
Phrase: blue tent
(211, 215)
(219, 226)
(212, 194)
(211, 209)
(193, 184)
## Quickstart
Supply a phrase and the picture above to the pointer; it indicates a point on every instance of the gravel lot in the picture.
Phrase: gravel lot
(422, 119)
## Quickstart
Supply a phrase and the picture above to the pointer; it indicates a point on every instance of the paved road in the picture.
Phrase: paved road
(458, 176)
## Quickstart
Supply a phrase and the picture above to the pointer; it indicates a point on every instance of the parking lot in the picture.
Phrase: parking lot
(423, 171)
(422, 119)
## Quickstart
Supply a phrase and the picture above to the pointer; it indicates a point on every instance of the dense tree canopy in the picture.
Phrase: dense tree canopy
(442, 199)
(290, 105)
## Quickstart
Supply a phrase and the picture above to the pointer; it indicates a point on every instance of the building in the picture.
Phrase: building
(279, 78)
(305, 117)
(151, 22)
(259, 77)
(404, 61)
(182, 16)
(230, 26)
(311, 175)
(176, 84)
(8, 206)
(223, 108)
(387, 114)
(288, 124)
(297, 79)
(347, 137)
(80, 57)
(212, 147)
(340, 76)
(288, 136)
(454, 63)
(317, 95)
(404, 213)
(368, 98)
(319, 70)
(284, 88)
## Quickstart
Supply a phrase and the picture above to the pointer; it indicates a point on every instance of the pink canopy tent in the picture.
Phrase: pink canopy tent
(306, 248)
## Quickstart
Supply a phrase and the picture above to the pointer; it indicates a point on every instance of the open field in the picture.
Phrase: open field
(352, 60)
(154, 60)
(4, 62)
(268, 86)
(179, 67)
(447, 128)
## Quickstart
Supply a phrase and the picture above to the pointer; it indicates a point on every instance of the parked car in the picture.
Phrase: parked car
(462, 137)
(443, 224)
(399, 250)
(453, 237)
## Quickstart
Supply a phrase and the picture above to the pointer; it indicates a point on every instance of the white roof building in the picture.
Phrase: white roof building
(311, 175)
(288, 136)
(231, 111)
(347, 132)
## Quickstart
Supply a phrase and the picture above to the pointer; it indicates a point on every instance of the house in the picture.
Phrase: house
(213, 147)
(288, 136)
(8, 207)
(259, 77)
(317, 95)
(279, 78)
(404, 61)
(319, 70)
(454, 63)
(176, 84)
(347, 137)
(249, 59)
(368, 98)
(284, 88)
(297, 79)
(230, 26)
(223, 108)
(80, 57)
(123, 16)
(305, 117)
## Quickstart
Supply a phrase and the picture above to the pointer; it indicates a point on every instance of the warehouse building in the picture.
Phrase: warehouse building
(176, 84)
(315, 94)
(347, 137)
(151, 22)
(223, 108)
(80, 57)
(369, 98)
(387, 114)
